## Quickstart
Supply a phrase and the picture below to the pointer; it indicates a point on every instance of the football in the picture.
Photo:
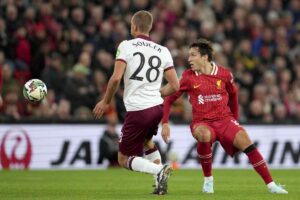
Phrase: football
(35, 90)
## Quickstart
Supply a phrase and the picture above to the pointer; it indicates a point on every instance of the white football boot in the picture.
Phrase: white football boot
(208, 185)
(276, 188)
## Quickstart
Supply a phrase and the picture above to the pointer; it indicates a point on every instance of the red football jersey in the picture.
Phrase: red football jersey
(212, 96)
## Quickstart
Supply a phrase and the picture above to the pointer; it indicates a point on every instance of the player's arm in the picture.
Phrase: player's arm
(233, 97)
(114, 81)
(113, 85)
(168, 101)
(173, 83)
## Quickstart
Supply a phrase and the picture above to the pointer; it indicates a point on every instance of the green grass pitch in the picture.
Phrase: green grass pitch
(123, 184)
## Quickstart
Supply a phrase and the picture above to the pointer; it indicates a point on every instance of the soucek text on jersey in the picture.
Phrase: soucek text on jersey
(212, 96)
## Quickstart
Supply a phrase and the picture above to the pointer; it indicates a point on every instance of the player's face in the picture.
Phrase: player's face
(196, 60)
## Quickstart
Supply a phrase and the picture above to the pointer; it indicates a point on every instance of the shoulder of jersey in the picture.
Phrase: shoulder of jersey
(223, 72)
(125, 41)
(187, 72)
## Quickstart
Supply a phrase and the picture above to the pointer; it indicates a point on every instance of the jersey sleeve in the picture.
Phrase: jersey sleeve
(169, 60)
(122, 52)
(169, 100)
(233, 96)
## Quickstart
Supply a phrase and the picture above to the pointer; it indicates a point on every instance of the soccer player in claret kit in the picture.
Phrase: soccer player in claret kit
(214, 100)
(143, 64)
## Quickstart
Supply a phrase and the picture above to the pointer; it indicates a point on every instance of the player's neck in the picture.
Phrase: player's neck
(141, 34)
(206, 69)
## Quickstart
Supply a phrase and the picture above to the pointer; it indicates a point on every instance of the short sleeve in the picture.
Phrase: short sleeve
(184, 82)
(121, 52)
(230, 85)
(169, 60)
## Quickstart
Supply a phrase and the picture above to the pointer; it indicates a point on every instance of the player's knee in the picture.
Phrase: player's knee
(250, 148)
(202, 134)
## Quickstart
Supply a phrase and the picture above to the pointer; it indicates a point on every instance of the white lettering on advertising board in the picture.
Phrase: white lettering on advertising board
(78, 147)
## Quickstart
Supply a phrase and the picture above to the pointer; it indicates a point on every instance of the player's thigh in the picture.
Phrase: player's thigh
(202, 132)
(242, 140)
(228, 130)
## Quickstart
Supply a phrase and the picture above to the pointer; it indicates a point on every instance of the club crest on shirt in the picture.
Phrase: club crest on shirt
(118, 52)
(219, 84)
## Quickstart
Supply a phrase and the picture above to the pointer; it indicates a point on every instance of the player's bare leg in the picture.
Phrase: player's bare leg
(204, 137)
(152, 154)
(139, 164)
(244, 143)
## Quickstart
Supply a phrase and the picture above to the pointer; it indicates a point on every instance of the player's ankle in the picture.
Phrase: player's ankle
(208, 178)
(271, 184)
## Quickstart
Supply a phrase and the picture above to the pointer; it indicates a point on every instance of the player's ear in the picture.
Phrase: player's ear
(135, 28)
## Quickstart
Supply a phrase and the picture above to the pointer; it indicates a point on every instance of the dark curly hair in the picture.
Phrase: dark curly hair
(204, 47)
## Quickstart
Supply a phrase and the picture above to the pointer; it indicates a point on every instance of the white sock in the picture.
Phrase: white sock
(140, 164)
(152, 157)
(269, 185)
(208, 178)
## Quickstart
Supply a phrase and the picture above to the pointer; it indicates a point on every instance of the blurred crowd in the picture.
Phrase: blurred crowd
(70, 45)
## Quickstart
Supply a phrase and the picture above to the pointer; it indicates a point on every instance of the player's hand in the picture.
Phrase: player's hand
(100, 109)
(165, 132)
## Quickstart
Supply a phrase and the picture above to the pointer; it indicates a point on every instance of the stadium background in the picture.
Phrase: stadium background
(70, 45)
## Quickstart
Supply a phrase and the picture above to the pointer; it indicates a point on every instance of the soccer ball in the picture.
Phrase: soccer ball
(35, 90)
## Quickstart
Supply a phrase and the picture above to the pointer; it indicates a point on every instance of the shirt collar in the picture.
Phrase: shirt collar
(214, 70)
(145, 37)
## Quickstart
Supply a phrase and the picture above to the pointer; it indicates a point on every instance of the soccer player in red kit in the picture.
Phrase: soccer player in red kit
(214, 100)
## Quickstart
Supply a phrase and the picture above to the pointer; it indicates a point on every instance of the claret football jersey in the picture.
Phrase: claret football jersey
(146, 62)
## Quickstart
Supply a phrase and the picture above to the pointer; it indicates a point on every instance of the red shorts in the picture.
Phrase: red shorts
(138, 127)
(223, 130)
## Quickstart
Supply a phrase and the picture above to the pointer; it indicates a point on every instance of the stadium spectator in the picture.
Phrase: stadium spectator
(64, 109)
(83, 113)
(13, 107)
(109, 145)
(4, 39)
(214, 100)
(53, 74)
(22, 47)
(251, 37)
(104, 62)
(79, 88)
(48, 108)
(142, 98)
